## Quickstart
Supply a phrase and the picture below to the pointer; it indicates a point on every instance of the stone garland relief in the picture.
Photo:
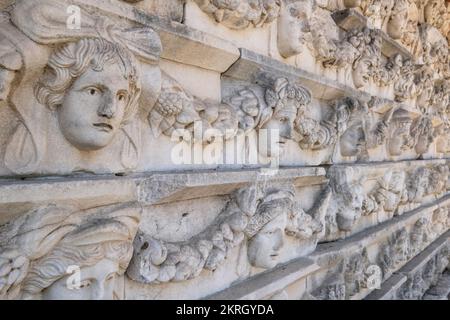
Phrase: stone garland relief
(347, 281)
(352, 274)
(176, 109)
(259, 218)
(281, 106)
(395, 192)
(351, 128)
(303, 23)
(240, 14)
(417, 284)
(286, 103)
(309, 23)
(401, 247)
(123, 90)
(437, 284)
(359, 128)
(256, 217)
(402, 19)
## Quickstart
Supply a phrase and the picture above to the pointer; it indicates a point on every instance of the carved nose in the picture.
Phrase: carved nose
(107, 109)
(287, 132)
(279, 242)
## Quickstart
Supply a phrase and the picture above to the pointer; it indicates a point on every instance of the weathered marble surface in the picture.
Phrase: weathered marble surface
(243, 149)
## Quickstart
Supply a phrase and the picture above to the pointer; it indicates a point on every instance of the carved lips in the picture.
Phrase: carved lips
(104, 127)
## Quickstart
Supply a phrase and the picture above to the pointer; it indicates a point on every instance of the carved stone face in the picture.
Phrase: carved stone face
(362, 71)
(401, 247)
(394, 192)
(400, 136)
(264, 247)
(424, 99)
(399, 19)
(421, 185)
(439, 221)
(282, 122)
(424, 141)
(397, 183)
(352, 141)
(428, 273)
(351, 208)
(411, 32)
(293, 26)
(97, 283)
(94, 107)
(436, 182)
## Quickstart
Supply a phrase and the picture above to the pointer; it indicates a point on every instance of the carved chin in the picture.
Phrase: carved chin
(88, 139)
(261, 255)
(291, 50)
(289, 47)
(422, 147)
(263, 262)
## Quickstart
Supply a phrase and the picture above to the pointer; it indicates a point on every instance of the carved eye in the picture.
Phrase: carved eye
(111, 277)
(283, 119)
(93, 91)
(122, 97)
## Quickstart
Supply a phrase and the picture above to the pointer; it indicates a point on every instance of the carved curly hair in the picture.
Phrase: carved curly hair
(54, 266)
(69, 62)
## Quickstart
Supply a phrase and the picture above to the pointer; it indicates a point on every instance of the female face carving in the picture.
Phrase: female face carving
(393, 194)
(353, 196)
(400, 137)
(97, 283)
(93, 85)
(293, 26)
(272, 144)
(265, 246)
(352, 141)
(362, 71)
(397, 182)
(94, 107)
(398, 20)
